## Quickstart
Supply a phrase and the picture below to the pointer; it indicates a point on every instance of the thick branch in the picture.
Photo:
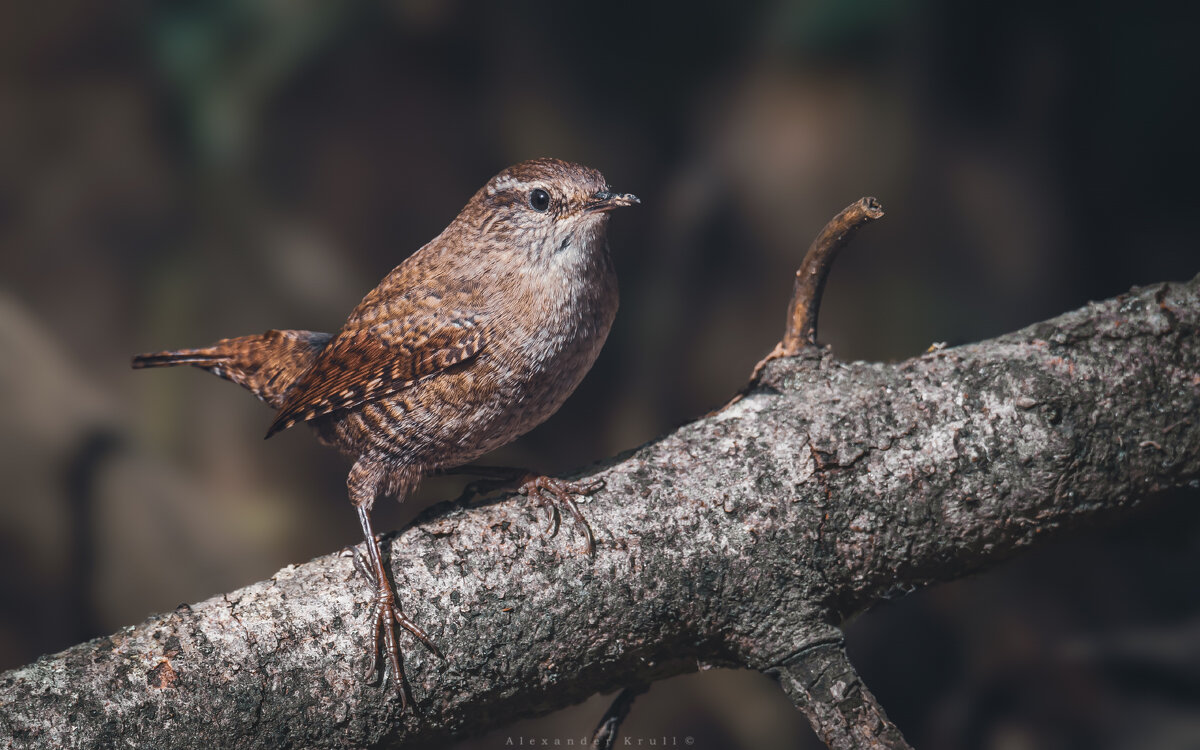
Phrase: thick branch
(739, 539)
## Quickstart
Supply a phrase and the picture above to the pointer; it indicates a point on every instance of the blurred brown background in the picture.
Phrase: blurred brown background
(172, 173)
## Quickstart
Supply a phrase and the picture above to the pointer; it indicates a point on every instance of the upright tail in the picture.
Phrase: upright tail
(266, 365)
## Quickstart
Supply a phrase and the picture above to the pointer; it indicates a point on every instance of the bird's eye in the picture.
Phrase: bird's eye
(539, 200)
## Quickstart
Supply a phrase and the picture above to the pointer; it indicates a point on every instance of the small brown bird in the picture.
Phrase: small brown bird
(472, 341)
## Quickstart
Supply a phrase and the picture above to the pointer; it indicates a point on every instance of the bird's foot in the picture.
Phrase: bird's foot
(556, 494)
(385, 615)
(548, 492)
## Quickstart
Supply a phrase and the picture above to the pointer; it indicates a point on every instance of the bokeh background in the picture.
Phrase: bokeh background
(173, 173)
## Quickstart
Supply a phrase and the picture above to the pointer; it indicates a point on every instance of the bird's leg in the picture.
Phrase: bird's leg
(494, 473)
(381, 610)
(491, 478)
(386, 609)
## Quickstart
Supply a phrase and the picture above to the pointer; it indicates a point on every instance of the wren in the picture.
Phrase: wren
(472, 341)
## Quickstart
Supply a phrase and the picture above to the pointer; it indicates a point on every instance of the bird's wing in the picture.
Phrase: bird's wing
(369, 361)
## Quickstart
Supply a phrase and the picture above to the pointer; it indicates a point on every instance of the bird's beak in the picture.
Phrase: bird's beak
(606, 200)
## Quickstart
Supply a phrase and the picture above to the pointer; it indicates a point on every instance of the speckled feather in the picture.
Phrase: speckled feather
(363, 365)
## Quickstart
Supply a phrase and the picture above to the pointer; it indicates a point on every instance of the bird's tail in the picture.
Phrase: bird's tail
(267, 365)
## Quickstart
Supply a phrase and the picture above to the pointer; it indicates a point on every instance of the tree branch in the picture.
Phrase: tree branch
(823, 684)
(605, 735)
(744, 538)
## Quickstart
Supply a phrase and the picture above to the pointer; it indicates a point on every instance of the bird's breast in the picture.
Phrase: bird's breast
(553, 339)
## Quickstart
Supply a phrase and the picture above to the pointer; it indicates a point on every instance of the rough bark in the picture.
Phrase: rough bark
(744, 538)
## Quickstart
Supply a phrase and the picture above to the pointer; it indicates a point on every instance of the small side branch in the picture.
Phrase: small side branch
(801, 328)
(823, 684)
(802, 312)
(605, 736)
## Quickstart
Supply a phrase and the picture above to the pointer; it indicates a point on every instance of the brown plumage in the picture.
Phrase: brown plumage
(267, 365)
(473, 340)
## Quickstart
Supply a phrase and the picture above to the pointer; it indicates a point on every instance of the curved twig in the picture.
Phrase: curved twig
(801, 327)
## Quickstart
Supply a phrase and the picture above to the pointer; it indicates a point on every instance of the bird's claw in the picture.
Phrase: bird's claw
(385, 612)
(360, 561)
(555, 494)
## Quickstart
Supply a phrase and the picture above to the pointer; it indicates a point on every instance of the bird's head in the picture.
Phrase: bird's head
(546, 207)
